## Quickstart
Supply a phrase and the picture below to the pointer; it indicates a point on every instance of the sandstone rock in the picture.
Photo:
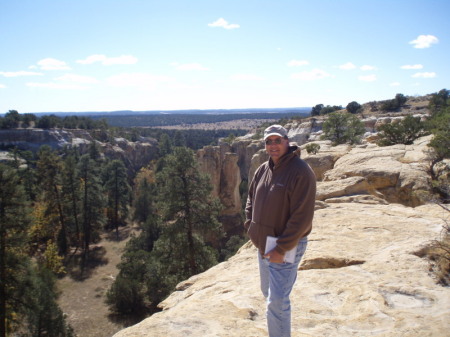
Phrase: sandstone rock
(245, 151)
(258, 158)
(361, 276)
(210, 162)
(229, 185)
(225, 177)
(342, 187)
(397, 172)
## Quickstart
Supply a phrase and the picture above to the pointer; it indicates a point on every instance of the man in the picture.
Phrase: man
(280, 204)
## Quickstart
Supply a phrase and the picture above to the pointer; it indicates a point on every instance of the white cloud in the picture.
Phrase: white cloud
(347, 66)
(92, 59)
(76, 79)
(138, 80)
(19, 73)
(368, 78)
(424, 41)
(53, 64)
(188, 66)
(53, 85)
(2, 86)
(412, 66)
(108, 61)
(297, 63)
(394, 84)
(315, 74)
(424, 75)
(223, 23)
(246, 77)
(65, 82)
(367, 67)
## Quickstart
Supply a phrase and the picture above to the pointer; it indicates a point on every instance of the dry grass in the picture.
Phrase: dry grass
(438, 253)
(83, 293)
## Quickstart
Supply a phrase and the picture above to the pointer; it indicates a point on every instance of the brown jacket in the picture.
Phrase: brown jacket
(280, 202)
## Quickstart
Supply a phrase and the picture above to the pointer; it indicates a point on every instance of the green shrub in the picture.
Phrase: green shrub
(125, 296)
(343, 128)
(403, 132)
(394, 104)
(353, 107)
(312, 148)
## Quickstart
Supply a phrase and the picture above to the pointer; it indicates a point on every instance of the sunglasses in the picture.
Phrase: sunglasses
(275, 141)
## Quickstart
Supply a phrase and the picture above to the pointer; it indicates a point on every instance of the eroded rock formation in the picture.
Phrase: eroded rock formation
(361, 276)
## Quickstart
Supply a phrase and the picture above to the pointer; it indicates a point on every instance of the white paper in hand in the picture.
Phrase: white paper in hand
(271, 243)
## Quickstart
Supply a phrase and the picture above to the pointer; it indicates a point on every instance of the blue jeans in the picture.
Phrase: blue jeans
(277, 280)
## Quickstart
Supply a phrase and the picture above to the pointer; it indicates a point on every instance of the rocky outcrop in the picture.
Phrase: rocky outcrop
(134, 154)
(222, 167)
(394, 173)
(32, 139)
(361, 276)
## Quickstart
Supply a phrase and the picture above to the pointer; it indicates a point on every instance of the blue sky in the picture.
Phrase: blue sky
(106, 55)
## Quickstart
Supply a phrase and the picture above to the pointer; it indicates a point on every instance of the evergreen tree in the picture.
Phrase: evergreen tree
(189, 215)
(439, 125)
(165, 145)
(315, 111)
(26, 172)
(402, 132)
(72, 198)
(143, 195)
(44, 316)
(118, 191)
(14, 223)
(49, 167)
(353, 107)
(129, 291)
(92, 201)
(343, 128)
(179, 139)
(439, 101)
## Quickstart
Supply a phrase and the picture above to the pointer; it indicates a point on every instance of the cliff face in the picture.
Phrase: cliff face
(134, 154)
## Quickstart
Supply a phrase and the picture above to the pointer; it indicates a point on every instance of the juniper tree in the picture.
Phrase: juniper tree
(342, 128)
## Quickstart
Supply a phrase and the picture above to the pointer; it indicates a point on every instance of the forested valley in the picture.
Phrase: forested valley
(55, 204)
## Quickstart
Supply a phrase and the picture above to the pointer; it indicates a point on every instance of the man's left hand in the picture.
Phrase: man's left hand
(274, 256)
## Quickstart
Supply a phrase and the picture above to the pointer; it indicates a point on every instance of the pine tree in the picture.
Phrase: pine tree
(49, 167)
(127, 294)
(143, 195)
(118, 191)
(189, 214)
(44, 316)
(72, 199)
(14, 223)
(92, 202)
